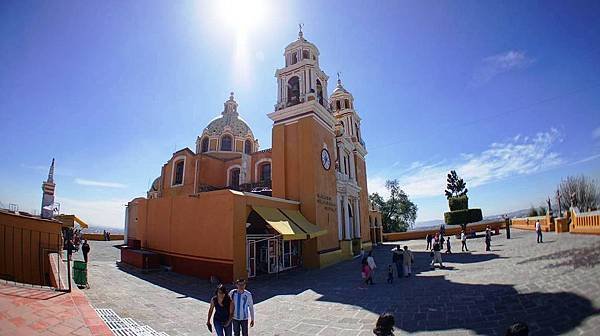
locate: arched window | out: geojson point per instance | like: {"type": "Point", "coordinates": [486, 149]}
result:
{"type": "Point", "coordinates": [234, 178]}
{"type": "Point", "coordinates": [204, 145]}
{"type": "Point", "coordinates": [357, 132]}
{"type": "Point", "coordinates": [305, 54]}
{"type": "Point", "coordinates": [226, 143]}
{"type": "Point", "coordinates": [346, 103]}
{"type": "Point", "coordinates": [248, 147]}
{"type": "Point", "coordinates": [178, 178]}
{"type": "Point", "coordinates": [338, 105]}
{"type": "Point", "coordinates": [320, 92]}
{"type": "Point", "coordinates": [265, 172]}
{"type": "Point", "coordinates": [293, 90]}
{"type": "Point", "coordinates": [294, 58]}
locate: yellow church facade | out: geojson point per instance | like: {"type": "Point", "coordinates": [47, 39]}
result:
{"type": "Point", "coordinates": [229, 209]}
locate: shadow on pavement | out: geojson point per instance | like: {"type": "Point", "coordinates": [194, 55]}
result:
{"type": "Point", "coordinates": [424, 302]}
{"type": "Point", "coordinates": [583, 257]}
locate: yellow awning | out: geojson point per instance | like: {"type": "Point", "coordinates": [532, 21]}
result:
{"type": "Point", "coordinates": [280, 223]}
{"type": "Point", "coordinates": [311, 229]}
{"type": "Point", "coordinates": [69, 220]}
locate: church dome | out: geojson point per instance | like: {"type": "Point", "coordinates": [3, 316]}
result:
{"type": "Point", "coordinates": [228, 122]}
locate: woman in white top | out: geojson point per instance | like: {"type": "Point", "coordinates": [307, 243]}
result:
{"type": "Point", "coordinates": [372, 265]}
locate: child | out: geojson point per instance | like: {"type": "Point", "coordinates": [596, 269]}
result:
{"type": "Point", "coordinates": [390, 278]}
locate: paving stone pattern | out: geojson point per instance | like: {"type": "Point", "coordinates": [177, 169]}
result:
{"type": "Point", "coordinates": [554, 287]}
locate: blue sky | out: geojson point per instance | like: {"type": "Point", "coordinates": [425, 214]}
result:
{"type": "Point", "coordinates": [507, 93]}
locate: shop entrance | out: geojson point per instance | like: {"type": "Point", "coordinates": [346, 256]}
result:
{"type": "Point", "coordinates": [266, 250]}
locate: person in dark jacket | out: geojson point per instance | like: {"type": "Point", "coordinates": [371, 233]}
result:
{"type": "Point", "coordinates": [85, 249]}
{"type": "Point", "coordinates": [385, 325]}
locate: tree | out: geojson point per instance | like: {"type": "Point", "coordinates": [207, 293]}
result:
{"type": "Point", "coordinates": [398, 213]}
{"type": "Point", "coordinates": [581, 190]}
{"type": "Point", "coordinates": [458, 202]}
{"type": "Point", "coordinates": [456, 186]}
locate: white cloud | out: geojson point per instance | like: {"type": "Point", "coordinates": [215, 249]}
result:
{"type": "Point", "coordinates": [517, 156]}
{"type": "Point", "coordinates": [586, 159]}
{"type": "Point", "coordinates": [494, 65]}
{"type": "Point", "coordinates": [596, 133]}
{"type": "Point", "coordinates": [101, 184]}
{"type": "Point", "coordinates": [95, 213]}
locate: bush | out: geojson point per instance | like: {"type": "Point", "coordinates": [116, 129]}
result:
{"type": "Point", "coordinates": [458, 203]}
{"type": "Point", "coordinates": [463, 216]}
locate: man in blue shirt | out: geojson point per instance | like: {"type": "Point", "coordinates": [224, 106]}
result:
{"type": "Point", "coordinates": [244, 308]}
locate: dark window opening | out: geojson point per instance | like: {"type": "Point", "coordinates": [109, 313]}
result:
{"type": "Point", "coordinates": [294, 58]}
{"type": "Point", "coordinates": [248, 147]}
{"type": "Point", "coordinates": [226, 143]}
{"type": "Point", "coordinates": [338, 105]}
{"type": "Point", "coordinates": [346, 103]}
{"type": "Point", "coordinates": [293, 90]}
{"type": "Point", "coordinates": [320, 92]}
{"type": "Point", "coordinates": [305, 54]}
{"type": "Point", "coordinates": [265, 172]}
{"type": "Point", "coordinates": [234, 178]}
{"type": "Point", "coordinates": [179, 165]}
{"type": "Point", "coordinates": [204, 146]}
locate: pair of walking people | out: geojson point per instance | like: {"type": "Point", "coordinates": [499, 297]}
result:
{"type": "Point", "coordinates": [403, 259]}
{"type": "Point", "coordinates": [231, 310]}
{"type": "Point", "coordinates": [368, 267]}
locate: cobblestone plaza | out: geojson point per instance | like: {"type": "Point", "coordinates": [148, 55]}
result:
{"type": "Point", "coordinates": [553, 286]}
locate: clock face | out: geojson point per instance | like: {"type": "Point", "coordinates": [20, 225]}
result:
{"type": "Point", "coordinates": [325, 159]}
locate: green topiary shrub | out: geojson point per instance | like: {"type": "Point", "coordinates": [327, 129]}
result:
{"type": "Point", "coordinates": [458, 203]}
{"type": "Point", "coordinates": [459, 217]}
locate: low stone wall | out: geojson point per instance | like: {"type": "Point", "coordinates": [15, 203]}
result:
{"type": "Point", "coordinates": [561, 225]}
{"type": "Point", "coordinates": [588, 223]}
{"type": "Point", "coordinates": [450, 230]}
{"type": "Point", "coordinates": [100, 236]}
{"type": "Point", "coordinates": [528, 223]}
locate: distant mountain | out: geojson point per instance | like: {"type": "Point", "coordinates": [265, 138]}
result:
{"type": "Point", "coordinates": [100, 229]}
{"type": "Point", "coordinates": [435, 223]}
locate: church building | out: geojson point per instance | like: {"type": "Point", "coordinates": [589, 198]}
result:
{"type": "Point", "coordinates": [229, 209]}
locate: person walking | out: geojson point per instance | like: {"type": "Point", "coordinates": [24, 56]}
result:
{"type": "Point", "coordinates": [407, 261]}
{"type": "Point", "coordinates": [85, 249]}
{"type": "Point", "coordinates": [372, 265]}
{"type": "Point", "coordinates": [448, 250]}
{"type": "Point", "coordinates": [428, 239]}
{"type": "Point", "coordinates": [488, 239]}
{"type": "Point", "coordinates": [385, 325]}
{"type": "Point", "coordinates": [437, 256]}
{"type": "Point", "coordinates": [243, 304]}
{"type": "Point", "coordinates": [463, 241]}
{"type": "Point", "coordinates": [366, 272]}
{"type": "Point", "coordinates": [397, 260]}
{"type": "Point", "coordinates": [538, 230]}
{"type": "Point", "coordinates": [442, 242]}
{"type": "Point", "coordinates": [222, 305]}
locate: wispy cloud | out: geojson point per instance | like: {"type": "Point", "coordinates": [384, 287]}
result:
{"type": "Point", "coordinates": [495, 65]}
{"type": "Point", "coordinates": [517, 156]}
{"type": "Point", "coordinates": [59, 171]}
{"type": "Point", "coordinates": [102, 184]}
{"type": "Point", "coordinates": [95, 212]}
{"type": "Point", "coordinates": [586, 159]}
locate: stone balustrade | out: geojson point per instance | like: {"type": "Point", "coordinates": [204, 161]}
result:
{"type": "Point", "coordinates": [528, 223]}
{"type": "Point", "coordinates": [586, 222]}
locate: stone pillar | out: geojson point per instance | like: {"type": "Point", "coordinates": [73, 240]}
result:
{"type": "Point", "coordinates": [347, 218]}
{"type": "Point", "coordinates": [340, 220]}
{"type": "Point", "coordinates": [356, 218]}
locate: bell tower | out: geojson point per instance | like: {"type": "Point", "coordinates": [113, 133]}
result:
{"type": "Point", "coordinates": [301, 79]}
{"type": "Point", "coordinates": [303, 143]}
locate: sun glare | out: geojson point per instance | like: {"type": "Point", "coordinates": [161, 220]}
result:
{"type": "Point", "coordinates": [242, 16]}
